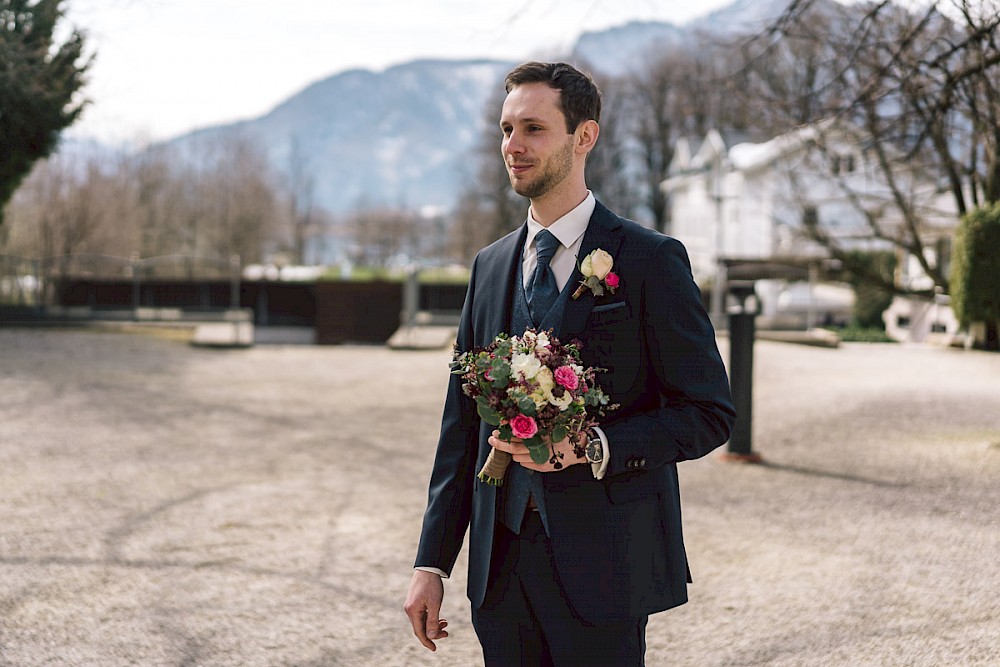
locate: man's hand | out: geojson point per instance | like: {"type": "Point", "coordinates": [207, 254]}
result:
{"type": "Point", "coordinates": [423, 605]}
{"type": "Point", "coordinates": [519, 451]}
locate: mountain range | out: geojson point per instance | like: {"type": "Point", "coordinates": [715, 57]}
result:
{"type": "Point", "coordinates": [405, 136]}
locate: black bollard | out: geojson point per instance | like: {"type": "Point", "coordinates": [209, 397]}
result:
{"type": "Point", "coordinates": [742, 330]}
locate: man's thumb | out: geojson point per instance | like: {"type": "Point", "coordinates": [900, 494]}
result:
{"type": "Point", "coordinates": [433, 623]}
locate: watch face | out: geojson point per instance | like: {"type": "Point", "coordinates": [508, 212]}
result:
{"type": "Point", "coordinates": [595, 453]}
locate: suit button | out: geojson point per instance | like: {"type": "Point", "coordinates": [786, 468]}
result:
{"type": "Point", "coordinates": [642, 463]}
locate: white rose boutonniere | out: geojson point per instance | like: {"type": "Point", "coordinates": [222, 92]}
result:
{"type": "Point", "coordinates": [597, 274]}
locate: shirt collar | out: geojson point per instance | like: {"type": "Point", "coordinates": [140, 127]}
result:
{"type": "Point", "coordinates": [568, 228]}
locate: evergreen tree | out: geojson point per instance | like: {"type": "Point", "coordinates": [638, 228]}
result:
{"type": "Point", "coordinates": [40, 81]}
{"type": "Point", "coordinates": [975, 272]}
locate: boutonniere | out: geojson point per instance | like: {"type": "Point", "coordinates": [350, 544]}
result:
{"type": "Point", "coordinates": [597, 275]}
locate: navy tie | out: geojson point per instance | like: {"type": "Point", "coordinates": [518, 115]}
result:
{"type": "Point", "coordinates": [542, 290]}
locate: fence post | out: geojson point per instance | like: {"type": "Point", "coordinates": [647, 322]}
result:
{"type": "Point", "coordinates": [234, 289]}
{"type": "Point", "coordinates": [36, 269]}
{"type": "Point", "coordinates": [742, 330]}
{"type": "Point", "coordinates": [411, 297]}
{"type": "Point", "coordinates": [134, 263]}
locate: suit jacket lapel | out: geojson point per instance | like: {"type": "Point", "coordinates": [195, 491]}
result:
{"type": "Point", "coordinates": [604, 232]}
{"type": "Point", "coordinates": [501, 271]}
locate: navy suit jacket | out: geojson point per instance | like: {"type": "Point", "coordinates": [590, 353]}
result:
{"type": "Point", "coordinates": [617, 542]}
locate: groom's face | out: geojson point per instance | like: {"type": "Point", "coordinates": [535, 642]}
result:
{"type": "Point", "coordinates": [536, 147]}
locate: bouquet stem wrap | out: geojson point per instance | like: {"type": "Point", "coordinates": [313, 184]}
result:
{"type": "Point", "coordinates": [495, 467]}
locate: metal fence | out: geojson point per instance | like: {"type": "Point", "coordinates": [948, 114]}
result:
{"type": "Point", "coordinates": [37, 282]}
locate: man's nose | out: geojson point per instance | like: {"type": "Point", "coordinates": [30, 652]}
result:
{"type": "Point", "coordinates": [512, 144]}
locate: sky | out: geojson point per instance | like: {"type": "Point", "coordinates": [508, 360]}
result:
{"type": "Point", "coordinates": [165, 67]}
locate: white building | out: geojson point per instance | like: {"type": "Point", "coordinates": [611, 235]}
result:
{"type": "Point", "coordinates": [750, 205]}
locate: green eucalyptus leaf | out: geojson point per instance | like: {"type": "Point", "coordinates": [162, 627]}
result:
{"type": "Point", "coordinates": [488, 414]}
{"type": "Point", "coordinates": [500, 372]}
{"type": "Point", "coordinates": [539, 452]}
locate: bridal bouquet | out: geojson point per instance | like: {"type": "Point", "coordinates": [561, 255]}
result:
{"type": "Point", "coordinates": [532, 387]}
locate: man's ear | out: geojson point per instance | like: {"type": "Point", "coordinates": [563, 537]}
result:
{"type": "Point", "coordinates": [586, 136]}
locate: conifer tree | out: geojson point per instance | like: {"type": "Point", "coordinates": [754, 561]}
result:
{"type": "Point", "coordinates": [40, 84]}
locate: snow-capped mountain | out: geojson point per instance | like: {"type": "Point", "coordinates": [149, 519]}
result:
{"type": "Point", "coordinates": [742, 17]}
{"type": "Point", "coordinates": [618, 51]}
{"type": "Point", "coordinates": [405, 136]}
{"type": "Point", "coordinates": [623, 49]}
{"type": "Point", "coordinates": [399, 137]}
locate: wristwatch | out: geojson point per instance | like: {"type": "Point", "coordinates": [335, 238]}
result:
{"type": "Point", "coordinates": [595, 448]}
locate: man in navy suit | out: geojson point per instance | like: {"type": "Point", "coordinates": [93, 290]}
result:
{"type": "Point", "coordinates": [565, 565]}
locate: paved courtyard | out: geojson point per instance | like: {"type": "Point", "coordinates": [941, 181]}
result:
{"type": "Point", "coordinates": [162, 504]}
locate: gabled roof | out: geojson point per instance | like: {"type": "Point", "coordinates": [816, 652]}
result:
{"type": "Point", "coordinates": [736, 151]}
{"type": "Point", "coordinates": [749, 156]}
{"type": "Point", "coordinates": [712, 150]}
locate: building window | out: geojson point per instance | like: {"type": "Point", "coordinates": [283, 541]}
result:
{"type": "Point", "coordinates": [943, 251]}
{"type": "Point", "coordinates": [842, 163]}
{"type": "Point", "coordinates": [810, 216]}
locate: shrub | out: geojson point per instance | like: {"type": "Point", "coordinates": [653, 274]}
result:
{"type": "Point", "coordinates": [868, 273]}
{"type": "Point", "coordinates": [855, 334]}
{"type": "Point", "coordinates": [975, 271]}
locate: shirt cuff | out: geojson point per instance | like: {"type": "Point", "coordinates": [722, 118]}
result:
{"type": "Point", "coordinates": [602, 467]}
{"type": "Point", "coordinates": [433, 570]}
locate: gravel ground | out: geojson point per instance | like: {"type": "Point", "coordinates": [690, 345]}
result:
{"type": "Point", "coordinates": [169, 505]}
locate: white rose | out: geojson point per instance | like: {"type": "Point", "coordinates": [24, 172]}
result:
{"type": "Point", "coordinates": [525, 365]}
{"type": "Point", "coordinates": [546, 383]}
{"type": "Point", "coordinates": [542, 340]}
{"type": "Point", "coordinates": [600, 264]}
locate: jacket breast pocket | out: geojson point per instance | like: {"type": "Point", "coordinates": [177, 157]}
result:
{"type": "Point", "coordinates": [606, 314]}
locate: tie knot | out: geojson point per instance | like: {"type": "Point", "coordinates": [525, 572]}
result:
{"type": "Point", "coordinates": [545, 244]}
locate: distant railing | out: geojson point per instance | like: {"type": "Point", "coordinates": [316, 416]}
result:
{"type": "Point", "coordinates": [36, 282]}
{"type": "Point", "coordinates": [83, 287]}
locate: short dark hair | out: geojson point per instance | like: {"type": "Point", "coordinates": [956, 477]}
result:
{"type": "Point", "coordinates": [579, 96]}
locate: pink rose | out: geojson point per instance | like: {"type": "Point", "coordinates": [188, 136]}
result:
{"type": "Point", "coordinates": [612, 280]}
{"type": "Point", "coordinates": [566, 377]}
{"type": "Point", "coordinates": [523, 427]}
